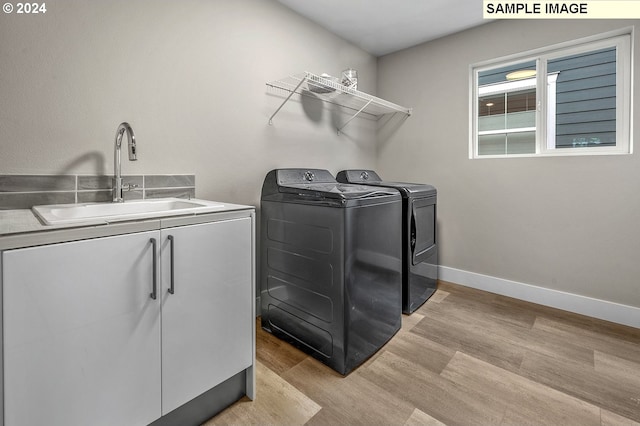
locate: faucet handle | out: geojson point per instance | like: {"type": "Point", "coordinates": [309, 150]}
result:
{"type": "Point", "coordinates": [129, 186]}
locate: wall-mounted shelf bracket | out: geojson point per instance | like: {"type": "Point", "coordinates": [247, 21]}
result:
{"type": "Point", "coordinates": [295, 90]}
{"type": "Point", "coordinates": [354, 116]}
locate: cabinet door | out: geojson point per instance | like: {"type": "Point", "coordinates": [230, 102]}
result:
{"type": "Point", "coordinates": [206, 322]}
{"type": "Point", "coordinates": [81, 333]}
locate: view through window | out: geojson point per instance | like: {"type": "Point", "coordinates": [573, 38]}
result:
{"type": "Point", "coordinates": [569, 100]}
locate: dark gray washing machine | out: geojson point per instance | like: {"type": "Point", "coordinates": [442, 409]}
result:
{"type": "Point", "coordinates": [419, 250]}
{"type": "Point", "coordinates": [330, 269]}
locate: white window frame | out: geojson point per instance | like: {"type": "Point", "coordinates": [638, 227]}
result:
{"type": "Point", "coordinates": [622, 40]}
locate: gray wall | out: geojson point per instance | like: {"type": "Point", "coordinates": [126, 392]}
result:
{"type": "Point", "coordinates": [569, 224]}
{"type": "Point", "coordinates": [189, 76]}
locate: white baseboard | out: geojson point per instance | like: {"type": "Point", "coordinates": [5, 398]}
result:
{"type": "Point", "coordinates": [609, 311]}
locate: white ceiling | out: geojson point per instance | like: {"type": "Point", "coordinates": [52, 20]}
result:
{"type": "Point", "coordinates": [385, 26]}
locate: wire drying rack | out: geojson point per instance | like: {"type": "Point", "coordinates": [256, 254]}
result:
{"type": "Point", "coordinates": [332, 92]}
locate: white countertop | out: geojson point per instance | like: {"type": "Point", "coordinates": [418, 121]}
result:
{"type": "Point", "coordinates": [17, 221]}
{"type": "Point", "coordinates": [21, 228]}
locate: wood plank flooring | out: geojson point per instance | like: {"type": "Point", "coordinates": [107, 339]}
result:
{"type": "Point", "coordinates": [466, 357]}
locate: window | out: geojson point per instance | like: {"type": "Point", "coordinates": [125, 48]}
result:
{"type": "Point", "coordinates": [571, 99]}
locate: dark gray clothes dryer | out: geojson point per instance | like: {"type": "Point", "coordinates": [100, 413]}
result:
{"type": "Point", "coordinates": [330, 265]}
{"type": "Point", "coordinates": [419, 250]}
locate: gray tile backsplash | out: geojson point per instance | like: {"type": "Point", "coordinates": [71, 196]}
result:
{"type": "Point", "coordinates": [106, 182]}
{"type": "Point", "coordinates": [95, 182]}
{"type": "Point", "coordinates": [169, 181]}
{"type": "Point", "coordinates": [22, 200]}
{"type": "Point", "coordinates": [26, 191]}
{"type": "Point", "coordinates": [170, 192]}
{"type": "Point", "coordinates": [39, 183]}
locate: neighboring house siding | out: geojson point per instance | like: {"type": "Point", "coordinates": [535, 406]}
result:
{"type": "Point", "coordinates": [585, 98]}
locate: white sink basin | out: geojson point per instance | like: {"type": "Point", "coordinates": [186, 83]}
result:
{"type": "Point", "coordinates": [95, 213]}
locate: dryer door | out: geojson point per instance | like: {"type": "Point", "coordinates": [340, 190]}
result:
{"type": "Point", "coordinates": [423, 228]}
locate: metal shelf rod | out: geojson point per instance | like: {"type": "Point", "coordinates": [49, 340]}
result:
{"type": "Point", "coordinates": [354, 116]}
{"type": "Point", "coordinates": [287, 99]}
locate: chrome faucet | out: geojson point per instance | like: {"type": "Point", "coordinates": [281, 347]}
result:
{"type": "Point", "coordinates": [117, 177]}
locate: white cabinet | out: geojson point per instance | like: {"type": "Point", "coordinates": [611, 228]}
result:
{"type": "Point", "coordinates": [85, 343]}
{"type": "Point", "coordinates": [206, 328]}
{"type": "Point", "coordinates": [81, 334]}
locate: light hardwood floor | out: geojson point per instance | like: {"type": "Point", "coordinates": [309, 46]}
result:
{"type": "Point", "coordinates": [466, 357]}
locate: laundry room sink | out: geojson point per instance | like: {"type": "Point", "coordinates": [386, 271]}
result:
{"type": "Point", "coordinates": [96, 213]}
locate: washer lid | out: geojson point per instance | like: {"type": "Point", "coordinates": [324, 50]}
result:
{"type": "Point", "coordinates": [336, 190]}
{"type": "Point", "coordinates": [317, 184]}
{"type": "Point", "coordinates": [369, 177]}
{"type": "Point", "coordinates": [421, 189]}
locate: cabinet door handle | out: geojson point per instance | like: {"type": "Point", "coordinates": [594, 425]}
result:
{"type": "Point", "coordinates": [172, 243]}
{"type": "Point", "coordinates": [154, 292]}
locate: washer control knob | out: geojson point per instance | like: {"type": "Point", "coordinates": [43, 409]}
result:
{"type": "Point", "coordinates": [364, 175]}
{"type": "Point", "coordinates": [309, 176]}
